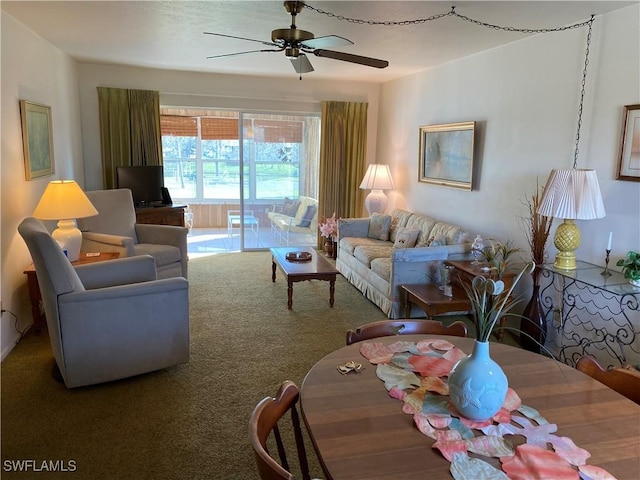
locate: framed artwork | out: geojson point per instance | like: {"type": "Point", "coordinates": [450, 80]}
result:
{"type": "Point", "coordinates": [629, 161]}
{"type": "Point", "coordinates": [37, 139]}
{"type": "Point", "coordinates": [446, 155]}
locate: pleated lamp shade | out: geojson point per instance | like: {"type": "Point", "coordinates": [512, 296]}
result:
{"type": "Point", "coordinates": [570, 194]}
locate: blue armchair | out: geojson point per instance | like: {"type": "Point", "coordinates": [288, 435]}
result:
{"type": "Point", "coordinates": [108, 320]}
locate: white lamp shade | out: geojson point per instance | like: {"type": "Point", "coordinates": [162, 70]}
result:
{"type": "Point", "coordinates": [64, 199]}
{"type": "Point", "coordinates": [572, 194]}
{"type": "Point", "coordinates": [378, 177]}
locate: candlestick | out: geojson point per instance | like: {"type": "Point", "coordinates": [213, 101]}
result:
{"type": "Point", "coordinates": [606, 272]}
{"type": "Point", "coordinates": [610, 238]}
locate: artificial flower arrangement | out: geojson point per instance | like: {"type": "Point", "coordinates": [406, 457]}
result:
{"type": "Point", "coordinates": [489, 298]}
{"type": "Point", "coordinates": [329, 227]}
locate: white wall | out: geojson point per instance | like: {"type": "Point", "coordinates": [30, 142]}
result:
{"type": "Point", "coordinates": [525, 98]}
{"type": "Point", "coordinates": [38, 72]}
{"type": "Point", "coordinates": [218, 91]}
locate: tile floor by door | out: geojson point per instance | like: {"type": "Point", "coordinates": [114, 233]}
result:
{"type": "Point", "coordinates": [212, 241]}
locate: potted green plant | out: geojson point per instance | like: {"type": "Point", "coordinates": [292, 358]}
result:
{"type": "Point", "coordinates": [631, 267]}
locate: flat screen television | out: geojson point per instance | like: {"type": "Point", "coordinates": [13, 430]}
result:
{"type": "Point", "coordinates": [145, 183]}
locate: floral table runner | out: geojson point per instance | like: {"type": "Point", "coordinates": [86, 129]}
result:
{"type": "Point", "coordinates": [415, 373]}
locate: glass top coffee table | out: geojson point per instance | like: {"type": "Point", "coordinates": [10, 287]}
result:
{"type": "Point", "coordinates": [298, 269]}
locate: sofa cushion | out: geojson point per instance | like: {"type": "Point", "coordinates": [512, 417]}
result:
{"type": "Point", "coordinates": [379, 226]}
{"type": "Point", "coordinates": [399, 219]}
{"type": "Point", "coordinates": [452, 233]}
{"type": "Point", "coordinates": [365, 254]}
{"type": "Point", "coordinates": [349, 244]}
{"type": "Point", "coordinates": [406, 238]}
{"type": "Point", "coordinates": [290, 207]}
{"type": "Point", "coordinates": [305, 221]}
{"type": "Point", "coordinates": [382, 267]}
{"type": "Point", "coordinates": [425, 225]}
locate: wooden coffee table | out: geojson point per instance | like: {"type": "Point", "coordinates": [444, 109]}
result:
{"type": "Point", "coordinates": [433, 301]}
{"type": "Point", "coordinates": [317, 268]}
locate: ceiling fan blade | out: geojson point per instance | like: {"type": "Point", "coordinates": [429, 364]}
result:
{"type": "Point", "coordinates": [270, 44]}
{"type": "Point", "coordinates": [348, 57]}
{"type": "Point", "coordinates": [326, 42]}
{"type": "Point", "coordinates": [242, 53]}
{"type": "Point", "coordinates": [301, 64]}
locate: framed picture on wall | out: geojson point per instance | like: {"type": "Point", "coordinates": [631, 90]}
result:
{"type": "Point", "coordinates": [37, 139]}
{"type": "Point", "coordinates": [629, 160]}
{"type": "Point", "coordinates": [446, 155]}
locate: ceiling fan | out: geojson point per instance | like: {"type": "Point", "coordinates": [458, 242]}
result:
{"type": "Point", "coordinates": [296, 43]}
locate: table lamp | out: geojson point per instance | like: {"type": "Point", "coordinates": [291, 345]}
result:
{"type": "Point", "coordinates": [64, 200]}
{"type": "Point", "coordinates": [570, 194]}
{"type": "Point", "coordinates": [377, 179]}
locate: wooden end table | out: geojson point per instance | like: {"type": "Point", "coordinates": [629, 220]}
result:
{"type": "Point", "coordinates": [316, 269]}
{"type": "Point", "coordinates": [433, 301]}
{"type": "Point", "coordinates": [35, 296]}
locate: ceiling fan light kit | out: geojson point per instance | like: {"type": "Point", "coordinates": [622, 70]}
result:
{"type": "Point", "coordinates": [295, 43]}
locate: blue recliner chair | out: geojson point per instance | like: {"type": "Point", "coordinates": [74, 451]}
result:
{"type": "Point", "coordinates": [108, 320]}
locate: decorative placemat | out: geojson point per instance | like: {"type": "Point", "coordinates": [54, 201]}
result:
{"type": "Point", "coordinates": [298, 256]}
{"type": "Point", "coordinates": [416, 374]}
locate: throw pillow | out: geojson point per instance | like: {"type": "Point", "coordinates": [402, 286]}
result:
{"type": "Point", "coordinates": [290, 207]}
{"type": "Point", "coordinates": [305, 221]}
{"type": "Point", "coordinates": [406, 238]}
{"type": "Point", "coordinates": [437, 241]}
{"type": "Point", "coordinates": [379, 226]}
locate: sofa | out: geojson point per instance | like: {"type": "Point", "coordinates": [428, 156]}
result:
{"type": "Point", "coordinates": [380, 253]}
{"type": "Point", "coordinates": [294, 216]}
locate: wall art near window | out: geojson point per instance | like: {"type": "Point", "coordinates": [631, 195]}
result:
{"type": "Point", "coordinates": [629, 161]}
{"type": "Point", "coordinates": [37, 139]}
{"type": "Point", "coordinates": [446, 155]}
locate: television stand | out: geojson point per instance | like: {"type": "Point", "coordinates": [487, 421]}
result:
{"type": "Point", "coordinates": [161, 215]}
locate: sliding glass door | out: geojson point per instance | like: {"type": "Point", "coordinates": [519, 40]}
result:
{"type": "Point", "coordinates": [235, 179]}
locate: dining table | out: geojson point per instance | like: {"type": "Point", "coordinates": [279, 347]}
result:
{"type": "Point", "coordinates": [360, 432]}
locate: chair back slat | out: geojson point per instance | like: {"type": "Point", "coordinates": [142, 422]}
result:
{"type": "Point", "coordinates": [622, 380]}
{"type": "Point", "coordinates": [385, 328]}
{"type": "Point", "coordinates": [264, 422]}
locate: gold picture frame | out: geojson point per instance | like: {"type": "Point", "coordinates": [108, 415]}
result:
{"type": "Point", "coordinates": [37, 139]}
{"type": "Point", "coordinates": [629, 159]}
{"type": "Point", "coordinates": [446, 155]}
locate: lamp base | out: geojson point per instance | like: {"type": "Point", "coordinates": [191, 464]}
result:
{"type": "Point", "coordinates": [566, 240]}
{"type": "Point", "coordinates": [375, 202]}
{"type": "Point", "coordinates": [69, 237]}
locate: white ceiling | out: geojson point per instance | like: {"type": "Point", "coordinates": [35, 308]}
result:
{"type": "Point", "coordinates": [169, 34]}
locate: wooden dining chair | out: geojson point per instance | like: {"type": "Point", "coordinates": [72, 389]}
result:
{"type": "Point", "coordinates": [622, 380]}
{"type": "Point", "coordinates": [405, 326]}
{"type": "Point", "coordinates": [264, 420]}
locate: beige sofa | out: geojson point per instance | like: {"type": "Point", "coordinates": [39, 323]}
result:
{"type": "Point", "coordinates": [377, 264]}
{"type": "Point", "coordinates": [294, 216]}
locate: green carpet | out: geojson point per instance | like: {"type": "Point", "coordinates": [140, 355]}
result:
{"type": "Point", "coordinates": [190, 421]}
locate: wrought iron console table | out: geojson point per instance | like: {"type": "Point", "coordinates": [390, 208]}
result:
{"type": "Point", "coordinates": [589, 313]}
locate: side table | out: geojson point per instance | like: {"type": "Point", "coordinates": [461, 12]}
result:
{"type": "Point", "coordinates": [35, 297]}
{"type": "Point", "coordinates": [432, 301]}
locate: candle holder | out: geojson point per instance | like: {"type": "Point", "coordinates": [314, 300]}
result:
{"type": "Point", "coordinates": [606, 272]}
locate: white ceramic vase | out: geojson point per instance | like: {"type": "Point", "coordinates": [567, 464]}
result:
{"type": "Point", "coordinates": [477, 384]}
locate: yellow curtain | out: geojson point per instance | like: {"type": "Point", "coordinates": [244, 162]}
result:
{"type": "Point", "coordinates": [129, 130]}
{"type": "Point", "coordinates": [146, 140]}
{"type": "Point", "coordinates": [342, 158]}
